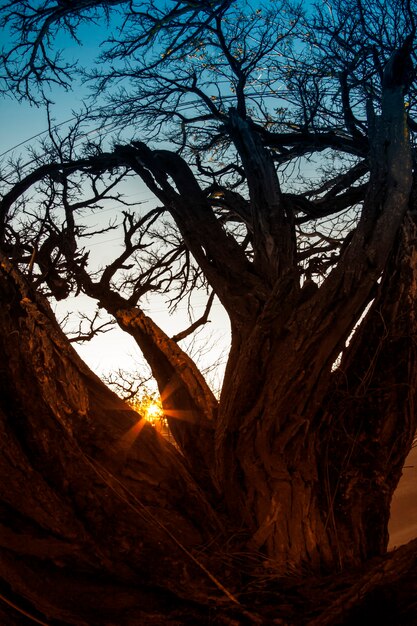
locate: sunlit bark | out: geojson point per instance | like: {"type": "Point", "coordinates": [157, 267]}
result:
{"type": "Point", "coordinates": [92, 498]}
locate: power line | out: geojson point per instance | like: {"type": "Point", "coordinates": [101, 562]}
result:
{"type": "Point", "coordinates": [182, 107]}
{"type": "Point", "coordinates": [81, 137]}
{"type": "Point", "coordinates": [22, 143]}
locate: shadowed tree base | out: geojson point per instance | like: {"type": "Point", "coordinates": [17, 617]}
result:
{"type": "Point", "coordinates": [100, 528]}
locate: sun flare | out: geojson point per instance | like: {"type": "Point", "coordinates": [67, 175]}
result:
{"type": "Point", "coordinates": [153, 412]}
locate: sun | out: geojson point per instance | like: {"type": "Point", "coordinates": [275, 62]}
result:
{"type": "Point", "coordinates": [153, 412]}
{"type": "Point", "coordinates": [149, 406]}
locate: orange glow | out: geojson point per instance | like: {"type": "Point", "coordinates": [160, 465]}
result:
{"type": "Point", "coordinates": [150, 407]}
{"type": "Point", "coordinates": [153, 412]}
{"type": "Point", "coordinates": [169, 389]}
{"type": "Point", "coordinates": [129, 438]}
{"type": "Point", "coordinates": [185, 416]}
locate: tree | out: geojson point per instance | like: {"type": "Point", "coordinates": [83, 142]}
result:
{"type": "Point", "coordinates": [301, 453]}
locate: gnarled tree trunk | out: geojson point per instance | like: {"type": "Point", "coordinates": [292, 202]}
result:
{"type": "Point", "coordinates": [100, 518]}
{"type": "Point", "coordinates": [309, 453]}
{"type": "Point", "coordinates": [101, 522]}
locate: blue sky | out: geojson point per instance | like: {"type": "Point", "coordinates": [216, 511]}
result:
{"type": "Point", "coordinates": [21, 121]}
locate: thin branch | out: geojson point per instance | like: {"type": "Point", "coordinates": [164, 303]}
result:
{"type": "Point", "coordinates": [200, 322]}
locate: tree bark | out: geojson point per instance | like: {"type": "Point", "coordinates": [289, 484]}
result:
{"type": "Point", "coordinates": [98, 527]}
{"type": "Point", "coordinates": [383, 593]}
{"type": "Point", "coordinates": [372, 408]}
{"type": "Point", "coordinates": [100, 517]}
{"type": "Point", "coordinates": [280, 382]}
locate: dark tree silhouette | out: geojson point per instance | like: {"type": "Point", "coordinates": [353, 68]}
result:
{"type": "Point", "coordinates": [284, 177]}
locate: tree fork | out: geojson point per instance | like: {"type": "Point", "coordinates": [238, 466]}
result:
{"type": "Point", "coordinates": [274, 475]}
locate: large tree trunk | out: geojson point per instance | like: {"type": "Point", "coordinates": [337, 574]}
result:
{"type": "Point", "coordinates": [374, 401]}
{"type": "Point", "coordinates": [309, 455]}
{"type": "Point", "coordinates": [101, 522]}
{"type": "Point", "coordinates": [279, 446]}
{"type": "Point", "coordinates": [317, 450]}
{"type": "Point", "coordinates": [100, 519]}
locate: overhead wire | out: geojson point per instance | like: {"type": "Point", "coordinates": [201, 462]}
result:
{"type": "Point", "coordinates": [43, 132]}
{"type": "Point", "coordinates": [182, 107]}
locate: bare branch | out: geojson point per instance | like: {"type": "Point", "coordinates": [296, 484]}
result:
{"type": "Point", "coordinates": [200, 322]}
{"type": "Point", "coordinates": [94, 327]}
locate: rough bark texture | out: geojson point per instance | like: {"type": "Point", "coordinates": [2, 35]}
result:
{"type": "Point", "coordinates": [280, 386]}
{"type": "Point", "coordinates": [374, 399]}
{"type": "Point", "coordinates": [101, 523]}
{"type": "Point", "coordinates": [99, 515]}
